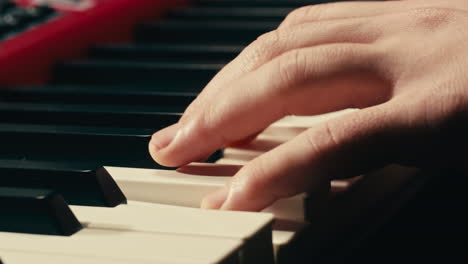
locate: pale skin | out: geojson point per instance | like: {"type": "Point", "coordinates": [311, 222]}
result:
{"type": "Point", "coordinates": [404, 64]}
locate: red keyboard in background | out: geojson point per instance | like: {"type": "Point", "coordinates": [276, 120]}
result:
{"type": "Point", "coordinates": [33, 37]}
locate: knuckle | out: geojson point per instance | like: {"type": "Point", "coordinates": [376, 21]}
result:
{"type": "Point", "coordinates": [290, 67]}
{"type": "Point", "coordinates": [321, 139]}
{"type": "Point", "coordinates": [260, 49]}
{"type": "Point", "coordinates": [267, 39]}
{"type": "Point", "coordinates": [261, 178]}
{"type": "Point", "coordinates": [256, 176]}
{"type": "Point", "coordinates": [305, 13]}
{"type": "Point", "coordinates": [296, 16]}
{"type": "Point", "coordinates": [338, 57]}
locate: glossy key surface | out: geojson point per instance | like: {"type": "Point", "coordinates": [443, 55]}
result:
{"type": "Point", "coordinates": [79, 184]}
{"type": "Point", "coordinates": [135, 116]}
{"type": "Point", "coordinates": [88, 94]}
{"type": "Point", "coordinates": [274, 15]}
{"type": "Point", "coordinates": [36, 211]}
{"type": "Point", "coordinates": [207, 32]}
{"type": "Point", "coordinates": [159, 76]}
{"type": "Point", "coordinates": [219, 54]}
{"type": "Point", "coordinates": [95, 145]}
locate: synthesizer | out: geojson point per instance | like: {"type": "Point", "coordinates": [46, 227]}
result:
{"type": "Point", "coordinates": [83, 86]}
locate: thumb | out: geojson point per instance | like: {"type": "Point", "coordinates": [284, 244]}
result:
{"type": "Point", "coordinates": [342, 147]}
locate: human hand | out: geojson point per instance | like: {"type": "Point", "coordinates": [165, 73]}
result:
{"type": "Point", "coordinates": [403, 63]}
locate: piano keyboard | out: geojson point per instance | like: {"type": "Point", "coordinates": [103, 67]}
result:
{"type": "Point", "coordinates": [77, 183]}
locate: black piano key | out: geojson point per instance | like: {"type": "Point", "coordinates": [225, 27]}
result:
{"type": "Point", "coordinates": [94, 146]}
{"type": "Point", "coordinates": [36, 211]}
{"type": "Point", "coordinates": [97, 146]}
{"type": "Point", "coordinates": [86, 94]}
{"type": "Point", "coordinates": [135, 116]}
{"type": "Point", "coordinates": [209, 32]}
{"type": "Point", "coordinates": [159, 76]}
{"type": "Point", "coordinates": [274, 15]}
{"type": "Point", "coordinates": [220, 54]}
{"type": "Point", "coordinates": [79, 184]}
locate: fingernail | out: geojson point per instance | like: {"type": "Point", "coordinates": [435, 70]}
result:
{"type": "Point", "coordinates": [164, 137]}
{"type": "Point", "coordinates": [215, 199]}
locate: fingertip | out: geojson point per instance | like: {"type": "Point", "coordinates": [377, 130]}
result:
{"type": "Point", "coordinates": [242, 200]}
{"type": "Point", "coordinates": [214, 200]}
{"type": "Point", "coordinates": [164, 137]}
{"type": "Point", "coordinates": [179, 144]}
{"type": "Point", "coordinates": [160, 141]}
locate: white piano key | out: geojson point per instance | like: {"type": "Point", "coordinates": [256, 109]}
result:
{"type": "Point", "coordinates": [284, 234]}
{"type": "Point", "coordinates": [254, 229]}
{"type": "Point", "coordinates": [151, 217]}
{"type": "Point", "coordinates": [281, 238]}
{"type": "Point", "coordinates": [25, 257]}
{"type": "Point", "coordinates": [128, 246]}
{"type": "Point", "coordinates": [177, 188]}
{"type": "Point", "coordinates": [241, 154]}
{"type": "Point", "coordinates": [226, 161]}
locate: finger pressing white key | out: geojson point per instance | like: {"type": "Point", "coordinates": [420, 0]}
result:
{"type": "Point", "coordinates": [189, 186]}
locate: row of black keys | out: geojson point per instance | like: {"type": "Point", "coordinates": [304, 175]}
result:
{"type": "Point", "coordinates": [15, 19]}
{"type": "Point", "coordinates": [102, 111]}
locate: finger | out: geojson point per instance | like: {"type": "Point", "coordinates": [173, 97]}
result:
{"type": "Point", "coordinates": [333, 76]}
{"type": "Point", "coordinates": [342, 147]}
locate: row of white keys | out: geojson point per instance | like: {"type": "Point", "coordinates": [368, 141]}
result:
{"type": "Point", "coordinates": [27, 257]}
{"type": "Point", "coordinates": [187, 190]}
{"type": "Point", "coordinates": [183, 189]}
{"type": "Point", "coordinates": [128, 218]}
{"type": "Point", "coordinates": [253, 229]}
{"type": "Point", "coordinates": [125, 245]}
